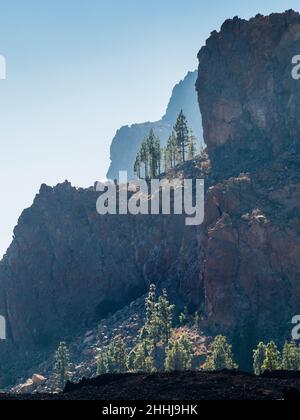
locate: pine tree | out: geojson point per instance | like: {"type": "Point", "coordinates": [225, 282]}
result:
{"type": "Point", "coordinates": [102, 364]}
{"type": "Point", "coordinates": [172, 151]}
{"type": "Point", "coordinates": [159, 317]}
{"type": "Point", "coordinates": [114, 359]}
{"type": "Point", "coordinates": [144, 157]}
{"type": "Point", "coordinates": [149, 329]}
{"type": "Point", "coordinates": [152, 154]}
{"type": "Point", "coordinates": [291, 357]}
{"type": "Point", "coordinates": [137, 166]}
{"type": "Point", "coordinates": [184, 316]}
{"type": "Point", "coordinates": [119, 356]}
{"type": "Point", "coordinates": [62, 365]}
{"type": "Point", "coordinates": [259, 356]}
{"type": "Point", "coordinates": [150, 303]}
{"type": "Point", "coordinates": [179, 354]}
{"type": "Point", "coordinates": [141, 358]}
{"type": "Point", "coordinates": [221, 357]}
{"type": "Point", "coordinates": [192, 145]}
{"type": "Point", "coordinates": [164, 159]}
{"type": "Point", "coordinates": [272, 359]}
{"type": "Point", "coordinates": [164, 317]}
{"type": "Point", "coordinates": [182, 134]}
{"type": "Point", "coordinates": [149, 155]}
{"type": "Point", "coordinates": [158, 155]}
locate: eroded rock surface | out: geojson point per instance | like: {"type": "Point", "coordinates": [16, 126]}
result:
{"type": "Point", "coordinates": [68, 267]}
{"type": "Point", "coordinates": [250, 105]}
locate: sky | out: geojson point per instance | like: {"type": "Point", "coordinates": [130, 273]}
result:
{"type": "Point", "coordinates": [77, 70]}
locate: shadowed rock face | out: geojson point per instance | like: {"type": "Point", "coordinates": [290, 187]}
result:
{"type": "Point", "coordinates": [250, 105]}
{"type": "Point", "coordinates": [68, 267]}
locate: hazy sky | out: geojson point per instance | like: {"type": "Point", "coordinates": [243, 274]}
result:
{"type": "Point", "coordinates": [79, 69]}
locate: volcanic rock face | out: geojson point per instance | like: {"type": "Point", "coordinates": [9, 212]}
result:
{"type": "Point", "coordinates": [127, 141]}
{"type": "Point", "coordinates": [250, 105]}
{"type": "Point", "coordinates": [68, 267]}
{"type": "Point", "coordinates": [249, 101]}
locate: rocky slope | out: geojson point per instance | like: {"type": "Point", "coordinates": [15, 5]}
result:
{"type": "Point", "coordinates": [128, 139]}
{"type": "Point", "coordinates": [67, 267]}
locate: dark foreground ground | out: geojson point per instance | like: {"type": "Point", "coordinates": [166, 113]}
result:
{"type": "Point", "coordinates": [190, 386]}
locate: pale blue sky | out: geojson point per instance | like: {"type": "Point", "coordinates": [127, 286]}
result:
{"type": "Point", "coordinates": [79, 69]}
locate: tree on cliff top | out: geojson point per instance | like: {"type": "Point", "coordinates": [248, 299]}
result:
{"type": "Point", "coordinates": [182, 134]}
{"type": "Point", "coordinates": [192, 145]}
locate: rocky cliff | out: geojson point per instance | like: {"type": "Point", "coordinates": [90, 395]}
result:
{"type": "Point", "coordinates": [128, 139]}
{"type": "Point", "coordinates": [248, 98]}
{"type": "Point", "coordinates": [250, 103]}
{"type": "Point", "coordinates": [67, 267]}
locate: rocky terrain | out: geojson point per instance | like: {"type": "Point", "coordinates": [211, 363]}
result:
{"type": "Point", "coordinates": [128, 139]}
{"type": "Point", "coordinates": [186, 386]}
{"type": "Point", "coordinates": [68, 269]}
{"type": "Point", "coordinates": [249, 103]}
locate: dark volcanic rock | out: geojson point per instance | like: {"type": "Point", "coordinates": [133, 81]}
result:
{"type": "Point", "coordinates": [68, 267]}
{"type": "Point", "coordinates": [250, 105]}
{"type": "Point", "coordinates": [187, 386]}
{"type": "Point", "coordinates": [128, 139]}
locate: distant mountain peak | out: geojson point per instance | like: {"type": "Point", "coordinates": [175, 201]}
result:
{"type": "Point", "coordinates": [128, 139]}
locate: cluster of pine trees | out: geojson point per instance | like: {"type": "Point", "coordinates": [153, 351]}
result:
{"type": "Point", "coordinates": [267, 357]}
{"type": "Point", "coordinates": [158, 332]}
{"type": "Point", "coordinates": [159, 336]}
{"type": "Point", "coordinates": [152, 159]}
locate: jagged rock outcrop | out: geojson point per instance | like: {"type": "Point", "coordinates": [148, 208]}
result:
{"type": "Point", "coordinates": [250, 105]}
{"type": "Point", "coordinates": [68, 267]}
{"type": "Point", "coordinates": [248, 98]}
{"type": "Point", "coordinates": [128, 139]}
